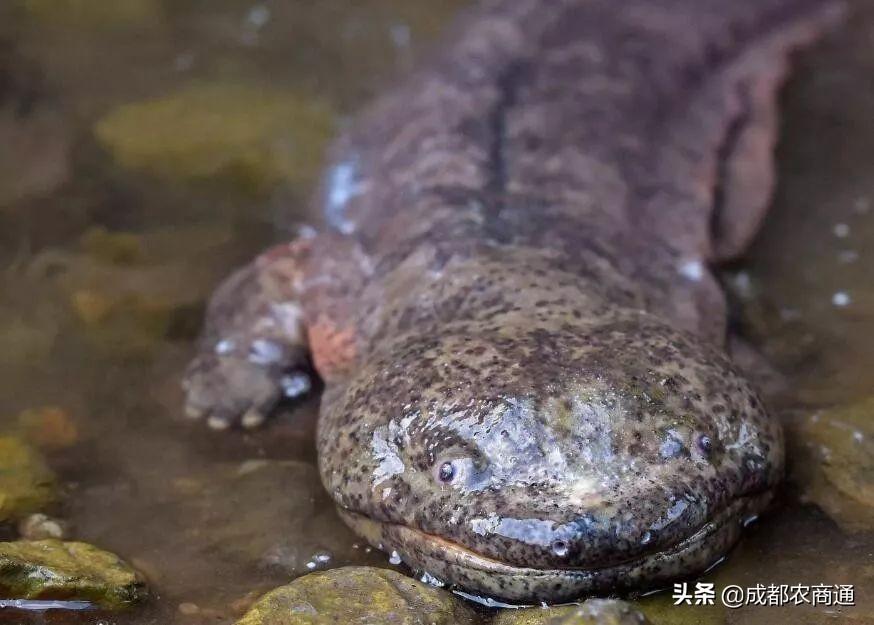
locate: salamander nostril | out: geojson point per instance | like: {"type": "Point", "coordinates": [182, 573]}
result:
{"type": "Point", "coordinates": [560, 548]}
{"type": "Point", "coordinates": [446, 472]}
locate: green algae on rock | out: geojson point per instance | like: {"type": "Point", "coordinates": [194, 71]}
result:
{"type": "Point", "coordinates": [834, 465]}
{"type": "Point", "coordinates": [592, 612]}
{"type": "Point", "coordinates": [257, 137]}
{"type": "Point", "coordinates": [357, 595]}
{"type": "Point", "coordinates": [26, 483]}
{"type": "Point", "coordinates": [68, 570]}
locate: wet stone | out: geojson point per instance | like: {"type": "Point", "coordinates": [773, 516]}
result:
{"type": "Point", "coordinates": [48, 427]}
{"type": "Point", "coordinates": [660, 609]}
{"type": "Point", "coordinates": [128, 290]}
{"type": "Point", "coordinates": [591, 612]}
{"type": "Point", "coordinates": [358, 595]}
{"type": "Point", "coordinates": [284, 515]}
{"type": "Point", "coordinates": [132, 316]}
{"type": "Point", "coordinates": [187, 608]}
{"type": "Point", "coordinates": [263, 520]}
{"type": "Point", "coordinates": [26, 483]}
{"type": "Point", "coordinates": [53, 569]}
{"type": "Point", "coordinates": [252, 136]}
{"type": "Point", "coordinates": [39, 526]}
{"type": "Point", "coordinates": [834, 465]}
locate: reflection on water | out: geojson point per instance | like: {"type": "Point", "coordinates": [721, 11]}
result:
{"type": "Point", "coordinates": [149, 146]}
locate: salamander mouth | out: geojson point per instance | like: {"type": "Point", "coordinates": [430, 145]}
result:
{"type": "Point", "coordinates": [465, 569]}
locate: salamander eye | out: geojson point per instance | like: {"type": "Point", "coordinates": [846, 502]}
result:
{"type": "Point", "coordinates": [459, 472]}
{"type": "Point", "coordinates": [456, 471]}
{"type": "Point", "coordinates": [705, 444]}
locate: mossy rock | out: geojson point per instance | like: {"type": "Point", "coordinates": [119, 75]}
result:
{"type": "Point", "coordinates": [255, 137]}
{"type": "Point", "coordinates": [661, 610]}
{"type": "Point", "coordinates": [592, 612]}
{"type": "Point", "coordinates": [26, 483]}
{"type": "Point", "coordinates": [834, 464]}
{"type": "Point", "coordinates": [358, 595]}
{"type": "Point", "coordinates": [54, 569]}
{"type": "Point", "coordinates": [115, 248]}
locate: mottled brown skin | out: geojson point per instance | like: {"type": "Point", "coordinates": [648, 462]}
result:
{"type": "Point", "coordinates": [527, 393]}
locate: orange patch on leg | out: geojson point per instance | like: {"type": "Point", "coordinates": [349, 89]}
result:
{"type": "Point", "coordinates": [333, 347]}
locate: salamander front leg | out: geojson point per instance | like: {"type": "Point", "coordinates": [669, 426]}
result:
{"type": "Point", "coordinates": [253, 352]}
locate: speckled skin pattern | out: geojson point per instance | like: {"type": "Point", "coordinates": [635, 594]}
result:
{"type": "Point", "coordinates": [511, 302]}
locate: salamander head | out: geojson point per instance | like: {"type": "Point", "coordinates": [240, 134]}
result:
{"type": "Point", "coordinates": [542, 465]}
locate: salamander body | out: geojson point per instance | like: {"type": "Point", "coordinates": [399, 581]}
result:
{"type": "Point", "coordinates": [527, 390]}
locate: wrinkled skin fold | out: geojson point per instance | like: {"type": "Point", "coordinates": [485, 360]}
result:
{"type": "Point", "coordinates": [493, 578]}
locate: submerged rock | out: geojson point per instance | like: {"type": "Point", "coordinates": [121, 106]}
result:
{"type": "Point", "coordinates": [48, 427]}
{"type": "Point", "coordinates": [26, 483]}
{"type": "Point", "coordinates": [834, 466]}
{"type": "Point", "coordinates": [254, 136]}
{"type": "Point", "coordinates": [130, 291]}
{"type": "Point", "coordinates": [592, 612]}
{"type": "Point", "coordinates": [130, 318]}
{"type": "Point", "coordinates": [358, 595]}
{"type": "Point", "coordinates": [660, 609]}
{"type": "Point", "coordinates": [114, 248]}
{"type": "Point", "coordinates": [39, 526]}
{"type": "Point", "coordinates": [214, 502]}
{"type": "Point", "coordinates": [53, 569]}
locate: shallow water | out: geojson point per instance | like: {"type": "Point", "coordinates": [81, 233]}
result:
{"type": "Point", "coordinates": [101, 325]}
